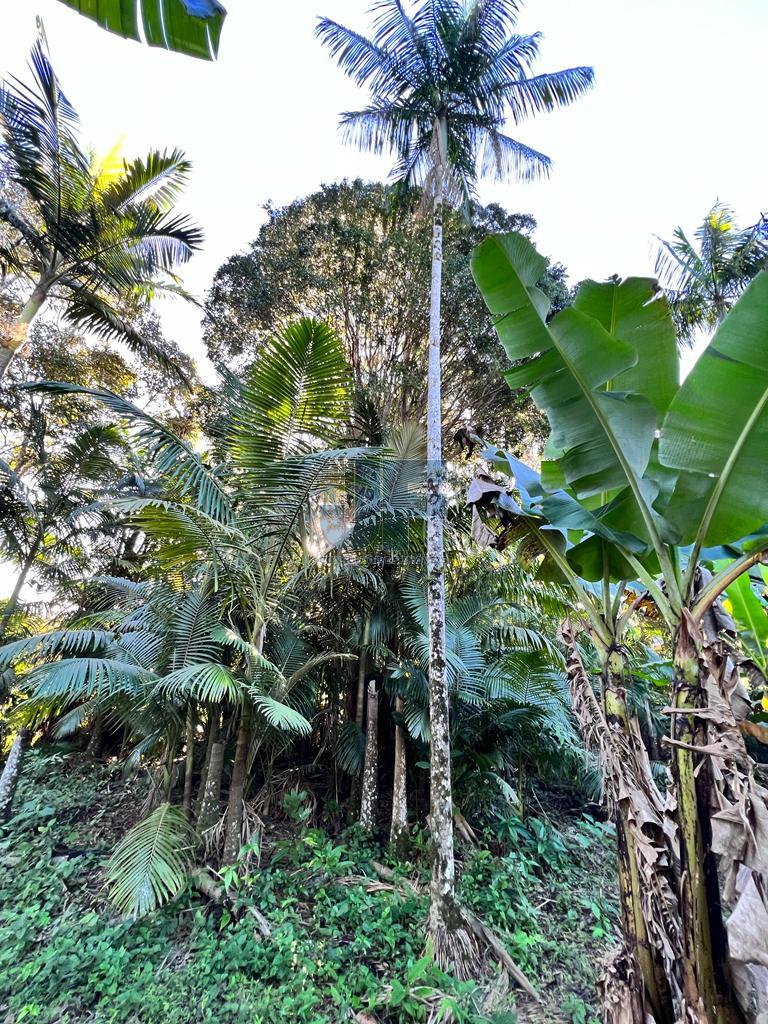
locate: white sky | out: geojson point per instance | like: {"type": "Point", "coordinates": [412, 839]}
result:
{"type": "Point", "coordinates": [674, 122]}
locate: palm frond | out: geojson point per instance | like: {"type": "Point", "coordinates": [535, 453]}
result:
{"type": "Point", "coordinates": [296, 393]}
{"type": "Point", "coordinates": [160, 177]}
{"type": "Point", "coordinates": [149, 866]}
{"type": "Point", "coordinates": [280, 716]}
{"type": "Point", "coordinates": [350, 748]}
{"type": "Point", "coordinates": [173, 457]}
{"type": "Point", "coordinates": [206, 682]}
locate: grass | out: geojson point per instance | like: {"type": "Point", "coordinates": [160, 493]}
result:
{"type": "Point", "coordinates": [342, 948]}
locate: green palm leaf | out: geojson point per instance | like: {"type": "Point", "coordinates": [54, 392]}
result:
{"type": "Point", "coordinates": [296, 393]}
{"type": "Point", "coordinates": [281, 716]}
{"type": "Point", "coordinates": [149, 866]}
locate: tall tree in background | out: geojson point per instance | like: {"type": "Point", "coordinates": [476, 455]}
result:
{"type": "Point", "coordinates": [91, 234]}
{"type": "Point", "coordinates": [357, 255]}
{"type": "Point", "coordinates": [443, 82]}
{"type": "Point", "coordinates": [704, 277]}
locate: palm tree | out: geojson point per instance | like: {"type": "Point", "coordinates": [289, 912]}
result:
{"type": "Point", "coordinates": [49, 503]}
{"type": "Point", "coordinates": [234, 534]}
{"type": "Point", "coordinates": [703, 278]}
{"type": "Point", "coordinates": [443, 81]}
{"type": "Point", "coordinates": [93, 235]}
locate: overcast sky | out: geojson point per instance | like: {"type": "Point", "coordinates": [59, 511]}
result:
{"type": "Point", "coordinates": [676, 120]}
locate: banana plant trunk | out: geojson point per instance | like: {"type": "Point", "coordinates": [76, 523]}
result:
{"type": "Point", "coordinates": [643, 976]}
{"type": "Point", "coordinates": [398, 833]}
{"type": "Point", "coordinates": [369, 800]}
{"type": "Point", "coordinates": [11, 773]}
{"type": "Point", "coordinates": [707, 988]}
{"type": "Point", "coordinates": [651, 984]}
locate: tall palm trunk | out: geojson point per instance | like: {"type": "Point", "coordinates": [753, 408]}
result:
{"type": "Point", "coordinates": [189, 764]}
{"type": "Point", "coordinates": [96, 741]}
{"type": "Point", "coordinates": [371, 763]}
{"type": "Point", "coordinates": [235, 808]}
{"type": "Point", "coordinates": [452, 942]}
{"type": "Point", "coordinates": [13, 336]}
{"type": "Point", "coordinates": [11, 773]}
{"type": "Point", "coordinates": [211, 734]}
{"type": "Point", "coordinates": [398, 833]}
{"type": "Point", "coordinates": [362, 665]}
{"type": "Point", "coordinates": [210, 785]}
{"type": "Point", "coordinates": [21, 579]}
{"type": "Point", "coordinates": [233, 840]}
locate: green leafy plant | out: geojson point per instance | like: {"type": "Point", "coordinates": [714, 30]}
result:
{"type": "Point", "coordinates": [661, 474]}
{"type": "Point", "coordinates": [98, 235]}
{"type": "Point", "coordinates": [192, 27]}
{"type": "Point", "coordinates": [149, 866]}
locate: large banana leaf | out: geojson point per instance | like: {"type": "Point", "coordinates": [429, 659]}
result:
{"type": "Point", "coordinates": [603, 372]}
{"type": "Point", "coordinates": [716, 428]}
{"type": "Point", "coordinates": [750, 614]}
{"type": "Point", "coordinates": [192, 27]}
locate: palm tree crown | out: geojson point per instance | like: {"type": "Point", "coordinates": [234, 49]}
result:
{"type": "Point", "coordinates": [452, 63]}
{"type": "Point", "coordinates": [704, 277]}
{"type": "Point", "coordinates": [92, 233]}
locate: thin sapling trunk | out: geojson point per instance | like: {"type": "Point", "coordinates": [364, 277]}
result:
{"type": "Point", "coordinates": [11, 773]}
{"type": "Point", "coordinates": [368, 803]}
{"type": "Point", "coordinates": [398, 833]}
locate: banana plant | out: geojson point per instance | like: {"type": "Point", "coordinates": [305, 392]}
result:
{"type": "Point", "coordinates": [191, 27]}
{"type": "Point", "coordinates": [642, 478]}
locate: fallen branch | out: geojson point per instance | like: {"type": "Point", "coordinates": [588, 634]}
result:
{"type": "Point", "coordinates": [216, 893]}
{"type": "Point", "coordinates": [482, 932]}
{"type": "Point", "coordinates": [463, 827]}
{"type": "Point", "coordinates": [490, 939]}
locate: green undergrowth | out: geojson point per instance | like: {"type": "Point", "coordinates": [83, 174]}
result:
{"type": "Point", "coordinates": [345, 945]}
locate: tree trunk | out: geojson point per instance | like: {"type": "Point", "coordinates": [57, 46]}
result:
{"type": "Point", "coordinates": [27, 564]}
{"type": "Point", "coordinates": [11, 772]}
{"type": "Point", "coordinates": [211, 736]}
{"type": "Point", "coordinates": [707, 989]}
{"type": "Point", "coordinates": [398, 833]}
{"type": "Point", "coordinates": [189, 764]}
{"type": "Point", "coordinates": [97, 737]}
{"type": "Point", "coordinates": [355, 790]}
{"type": "Point", "coordinates": [210, 785]}
{"type": "Point", "coordinates": [13, 336]}
{"type": "Point", "coordinates": [233, 840]}
{"type": "Point", "coordinates": [368, 803]}
{"type": "Point", "coordinates": [362, 665]}
{"type": "Point", "coordinates": [453, 942]}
